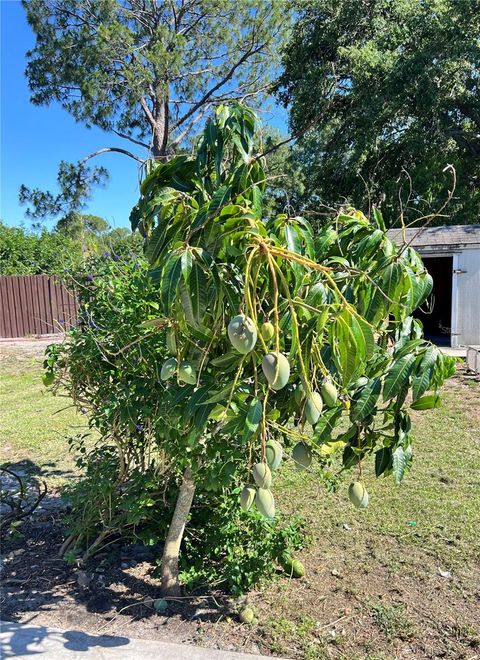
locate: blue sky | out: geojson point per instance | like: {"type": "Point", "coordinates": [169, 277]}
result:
{"type": "Point", "coordinates": [34, 139]}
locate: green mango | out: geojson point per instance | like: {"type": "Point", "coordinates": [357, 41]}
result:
{"type": "Point", "coordinates": [276, 369]}
{"type": "Point", "coordinates": [358, 495]}
{"type": "Point", "coordinates": [267, 330]}
{"type": "Point", "coordinates": [313, 408]}
{"type": "Point", "coordinates": [186, 373]}
{"type": "Point", "coordinates": [168, 369]}
{"type": "Point", "coordinates": [246, 615]}
{"type": "Point", "coordinates": [265, 503]}
{"type": "Point", "coordinates": [262, 475]}
{"type": "Point", "coordinates": [294, 568]}
{"type": "Point", "coordinates": [274, 454]}
{"type": "Point", "coordinates": [329, 394]}
{"type": "Point", "coordinates": [247, 497]}
{"type": "Point", "coordinates": [302, 456]}
{"type": "Point", "coordinates": [48, 378]}
{"type": "Point", "coordinates": [242, 333]}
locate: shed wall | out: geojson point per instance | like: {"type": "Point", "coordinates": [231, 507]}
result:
{"type": "Point", "coordinates": [468, 297]}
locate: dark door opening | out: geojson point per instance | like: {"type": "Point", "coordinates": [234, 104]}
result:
{"type": "Point", "coordinates": [436, 313]}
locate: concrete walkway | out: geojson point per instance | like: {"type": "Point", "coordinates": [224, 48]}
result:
{"type": "Point", "coordinates": [22, 641]}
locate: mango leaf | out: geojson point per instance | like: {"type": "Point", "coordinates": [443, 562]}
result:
{"type": "Point", "coordinates": [421, 286]}
{"type": "Point", "coordinates": [187, 262]}
{"type": "Point", "coordinates": [360, 326]}
{"type": "Point", "coordinates": [385, 291]}
{"type": "Point", "coordinates": [294, 245]}
{"type": "Point", "coordinates": [377, 216]}
{"type": "Point", "coordinates": [348, 346]}
{"type": "Point", "coordinates": [365, 400]}
{"type": "Point", "coordinates": [169, 282]}
{"type": "Point", "coordinates": [233, 357]}
{"type": "Point", "coordinates": [423, 373]}
{"type": "Point", "coordinates": [350, 457]}
{"type": "Point", "coordinates": [197, 285]}
{"type": "Point", "coordinates": [220, 197]}
{"type": "Point", "coordinates": [399, 463]}
{"type": "Point", "coordinates": [330, 448]}
{"type": "Point", "coordinates": [397, 376]}
{"type": "Point", "coordinates": [326, 424]}
{"type": "Point", "coordinates": [407, 348]}
{"type": "Point", "coordinates": [155, 243]}
{"type": "Point", "coordinates": [187, 306]}
{"type": "Point", "coordinates": [252, 420]}
{"type": "Point", "coordinates": [426, 402]}
{"type": "Point", "coordinates": [221, 395]}
{"type": "Point", "coordinates": [383, 460]}
{"type": "Point", "coordinates": [254, 415]}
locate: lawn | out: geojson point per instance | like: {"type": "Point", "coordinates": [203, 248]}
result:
{"type": "Point", "coordinates": [399, 579]}
{"type": "Point", "coordinates": [34, 424]}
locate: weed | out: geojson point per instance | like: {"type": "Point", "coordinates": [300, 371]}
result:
{"type": "Point", "coordinates": [392, 620]}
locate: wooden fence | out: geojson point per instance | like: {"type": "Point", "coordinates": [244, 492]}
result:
{"type": "Point", "coordinates": [34, 305]}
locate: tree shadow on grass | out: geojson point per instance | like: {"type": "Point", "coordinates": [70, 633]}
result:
{"type": "Point", "coordinates": [27, 468]}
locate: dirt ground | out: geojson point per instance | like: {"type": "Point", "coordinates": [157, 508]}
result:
{"type": "Point", "coordinates": [345, 608]}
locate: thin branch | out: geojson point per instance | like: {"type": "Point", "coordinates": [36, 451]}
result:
{"type": "Point", "coordinates": [117, 150]}
{"type": "Point", "coordinates": [189, 127]}
{"type": "Point", "coordinates": [128, 137]}
{"type": "Point", "coordinates": [223, 81]}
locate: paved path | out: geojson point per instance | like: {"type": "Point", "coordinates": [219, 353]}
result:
{"type": "Point", "coordinates": [22, 641]}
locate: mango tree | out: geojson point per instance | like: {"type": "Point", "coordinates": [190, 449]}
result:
{"type": "Point", "coordinates": [274, 336]}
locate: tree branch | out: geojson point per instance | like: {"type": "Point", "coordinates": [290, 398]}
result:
{"type": "Point", "coordinates": [128, 137]}
{"type": "Point", "coordinates": [212, 90]}
{"type": "Point", "coordinates": [117, 150]}
{"type": "Point", "coordinates": [147, 111]}
{"type": "Point", "coordinates": [189, 127]}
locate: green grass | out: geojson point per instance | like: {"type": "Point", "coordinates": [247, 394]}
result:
{"type": "Point", "coordinates": [437, 506]}
{"type": "Point", "coordinates": [34, 423]}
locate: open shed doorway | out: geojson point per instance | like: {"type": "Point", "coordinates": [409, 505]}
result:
{"type": "Point", "coordinates": [436, 313]}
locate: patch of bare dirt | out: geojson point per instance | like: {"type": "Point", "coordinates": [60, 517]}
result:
{"type": "Point", "coordinates": [20, 351]}
{"type": "Point", "coordinates": [113, 595]}
{"type": "Point", "coordinates": [351, 605]}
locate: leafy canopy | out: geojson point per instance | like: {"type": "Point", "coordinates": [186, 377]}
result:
{"type": "Point", "coordinates": [390, 93]}
{"type": "Point", "coordinates": [26, 253]}
{"type": "Point", "coordinates": [340, 302]}
{"type": "Point", "coordinates": [64, 249]}
{"type": "Point", "coordinates": [155, 368]}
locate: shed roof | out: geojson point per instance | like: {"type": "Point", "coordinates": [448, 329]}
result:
{"type": "Point", "coordinates": [446, 236]}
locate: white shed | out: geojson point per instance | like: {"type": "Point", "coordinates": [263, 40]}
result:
{"type": "Point", "coordinates": [452, 256]}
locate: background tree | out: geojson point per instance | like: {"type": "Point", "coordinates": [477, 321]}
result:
{"type": "Point", "coordinates": [46, 252]}
{"type": "Point", "coordinates": [28, 253]}
{"type": "Point", "coordinates": [78, 223]}
{"type": "Point", "coordinates": [147, 72]}
{"type": "Point", "coordinates": [390, 92]}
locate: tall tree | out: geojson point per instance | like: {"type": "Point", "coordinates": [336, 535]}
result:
{"type": "Point", "coordinates": [147, 71]}
{"type": "Point", "coordinates": [387, 94]}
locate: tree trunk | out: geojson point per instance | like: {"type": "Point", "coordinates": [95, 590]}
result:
{"type": "Point", "coordinates": [160, 129]}
{"type": "Point", "coordinates": [170, 584]}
